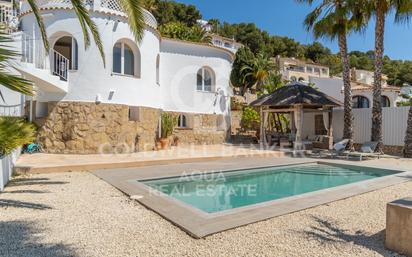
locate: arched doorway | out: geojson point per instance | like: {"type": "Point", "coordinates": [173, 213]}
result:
{"type": "Point", "coordinates": [65, 56]}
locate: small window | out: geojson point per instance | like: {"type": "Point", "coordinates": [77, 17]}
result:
{"type": "Point", "coordinates": [359, 102]}
{"type": "Point", "coordinates": [301, 79]}
{"type": "Point", "coordinates": [325, 71]}
{"type": "Point", "coordinates": [309, 69]}
{"type": "Point", "coordinates": [134, 113]}
{"type": "Point", "coordinates": [317, 70]}
{"type": "Point", "coordinates": [293, 79]}
{"type": "Point", "coordinates": [385, 101]}
{"type": "Point", "coordinates": [205, 80]}
{"type": "Point", "coordinates": [182, 121]}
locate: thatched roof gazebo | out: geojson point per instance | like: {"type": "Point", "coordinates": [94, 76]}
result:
{"type": "Point", "coordinates": [296, 98]}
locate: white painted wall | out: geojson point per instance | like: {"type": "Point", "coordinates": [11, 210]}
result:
{"type": "Point", "coordinates": [12, 104]}
{"type": "Point", "coordinates": [179, 63]}
{"type": "Point", "coordinates": [6, 167]}
{"type": "Point", "coordinates": [334, 86]}
{"type": "Point", "coordinates": [394, 125]}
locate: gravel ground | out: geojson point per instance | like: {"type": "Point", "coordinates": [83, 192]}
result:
{"type": "Point", "coordinates": [76, 214]}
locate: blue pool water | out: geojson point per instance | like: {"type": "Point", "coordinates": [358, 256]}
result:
{"type": "Point", "coordinates": [216, 192]}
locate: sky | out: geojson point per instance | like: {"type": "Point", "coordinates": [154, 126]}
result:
{"type": "Point", "coordinates": [285, 18]}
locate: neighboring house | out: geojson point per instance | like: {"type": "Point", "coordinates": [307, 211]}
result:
{"type": "Point", "coordinates": [83, 106]}
{"type": "Point", "coordinates": [224, 42]}
{"type": "Point", "coordinates": [362, 89]}
{"type": "Point", "coordinates": [219, 41]}
{"type": "Point", "coordinates": [297, 70]}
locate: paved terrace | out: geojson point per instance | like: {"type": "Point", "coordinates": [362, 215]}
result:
{"type": "Point", "coordinates": [44, 163]}
{"type": "Point", "coordinates": [77, 214]}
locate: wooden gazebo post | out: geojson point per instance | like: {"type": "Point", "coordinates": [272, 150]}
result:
{"type": "Point", "coordinates": [330, 128]}
{"type": "Point", "coordinates": [298, 113]}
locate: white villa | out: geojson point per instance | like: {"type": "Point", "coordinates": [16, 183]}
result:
{"type": "Point", "coordinates": [362, 89]}
{"type": "Point", "coordinates": [83, 105]}
{"type": "Point", "coordinates": [297, 70]}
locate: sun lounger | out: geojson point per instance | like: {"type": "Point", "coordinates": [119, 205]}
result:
{"type": "Point", "coordinates": [338, 149]}
{"type": "Point", "coordinates": [367, 151]}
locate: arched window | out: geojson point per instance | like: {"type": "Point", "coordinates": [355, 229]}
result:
{"type": "Point", "coordinates": [182, 121]}
{"type": "Point", "coordinates": [293, 79]}
{"type": "Point", "coordinates": [301, 79]}
{"type": "Point", "coordinates": [67, 49]}
{"type": "Point", "coordinates": [360, 102]}
{"type": "Point", "coordinates": [126, 59]}
{"type": "Point", "coordinates": [385, 101]}
{"type": "Point", "coordinates": [205, 79]}
{"type": "Point", "coordinates": [158, 69]}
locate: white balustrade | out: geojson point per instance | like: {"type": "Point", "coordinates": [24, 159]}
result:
{"type": "Point", "coordinates": [11, 110]}
{"type": "Point", "coordinates": [106, 6]}
{"type": "Point", "coordinates": [60, 65]}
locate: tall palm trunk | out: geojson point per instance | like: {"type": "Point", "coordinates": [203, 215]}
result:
{"type": "Point", "coordinates": [407, 151]}
{"type": "Point", "coordinates": [348, 115]}
{"type": "Point", "coordinates": [377, 86]}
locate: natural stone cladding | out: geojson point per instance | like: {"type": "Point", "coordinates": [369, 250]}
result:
{"type": "Point", "coordinates": [201, 129]}
{"type": "Point", "coordinates": [86, 128]}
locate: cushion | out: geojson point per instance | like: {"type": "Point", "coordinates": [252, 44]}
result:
{"type": "Point", "coordinates": [341, 145]}
{"type": "Point", "coordinates": [366, 149]}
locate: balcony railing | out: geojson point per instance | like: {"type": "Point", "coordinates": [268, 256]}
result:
{"type": "Point", "coordinates": [11, 110]}
{"type": "Point", "coordinates": [60, 65]}
{"type": "Point", "coordinates": [106, 6]}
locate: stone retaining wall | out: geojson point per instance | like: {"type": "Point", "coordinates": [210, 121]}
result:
{"type": "Point", "coordinates": [86, 128]}
{"type": "Point", "coordinates": [387, 149]}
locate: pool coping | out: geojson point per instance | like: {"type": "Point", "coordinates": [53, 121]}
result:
{"type": "Point", "coordinates": [199, 224]}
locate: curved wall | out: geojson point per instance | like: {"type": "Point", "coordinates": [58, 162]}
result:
{"type": "Point", "coordinates": [179, 63]}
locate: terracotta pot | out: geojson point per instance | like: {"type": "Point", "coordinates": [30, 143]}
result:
{"type": "Point", "coordinates": [164, 143]}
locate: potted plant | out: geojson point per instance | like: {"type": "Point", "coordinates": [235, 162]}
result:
{"type": "Point", "coordinates": [168, 123]}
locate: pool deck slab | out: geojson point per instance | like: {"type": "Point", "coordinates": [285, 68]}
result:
{"type": "Point", "coordinates": [52, 163]}
{"type": "Point", "coordinates": [200, 224]}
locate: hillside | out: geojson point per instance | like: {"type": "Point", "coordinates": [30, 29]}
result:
{"type": "Point", "coordinates": [179, 21]}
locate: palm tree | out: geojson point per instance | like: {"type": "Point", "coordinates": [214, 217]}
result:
{"type": "Point", "coordinates": [334, 19]}
{"type": "Point", "coordinates": [380, 9]}
{"type": "Point", "coordinates": [259, 70]}
{"type": "Point", "coordinates": [133, 9]}
{"type": "Point", "coordinates": [407, 150]}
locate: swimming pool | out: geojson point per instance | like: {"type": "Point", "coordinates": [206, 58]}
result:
{"type": "Point", "coordinates": [220, 191]}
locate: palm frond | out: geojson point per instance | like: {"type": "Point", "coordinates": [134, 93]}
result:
{"type": "Point", "coordinates": [134, 11]}
{"type": "Point", "coordinates": [87, 23]}
{"type": "Point", "coordinates": [7, 79]}
{"type": "Point", "coordinates": [15, 83]}
{"type": "Point", "coordinates": [40, 23]}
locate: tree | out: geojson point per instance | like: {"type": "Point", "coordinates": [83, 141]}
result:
{"type": "Point", "coordinates": [244, 56]}
{"type": "Point", "coordinates": [259, 70]}
{"type": "Point", "coordinates": [333, 19]}
{"type": "Point", "coordinates": [179, 30]}
{"type": "Point", "coordinates": [380, 10]}
{"type": "Point", "coordinates": [316, 51]}
{"type": "Point", "coordinates": [169, 11]}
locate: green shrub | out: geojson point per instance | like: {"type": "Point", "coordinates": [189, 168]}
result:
{"type": "Point", "coordinates": [15, 132]}
{"type": "Point", "coordinates": [169, 122]}
{"type": "Point", "coordinates": [250, 118]}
